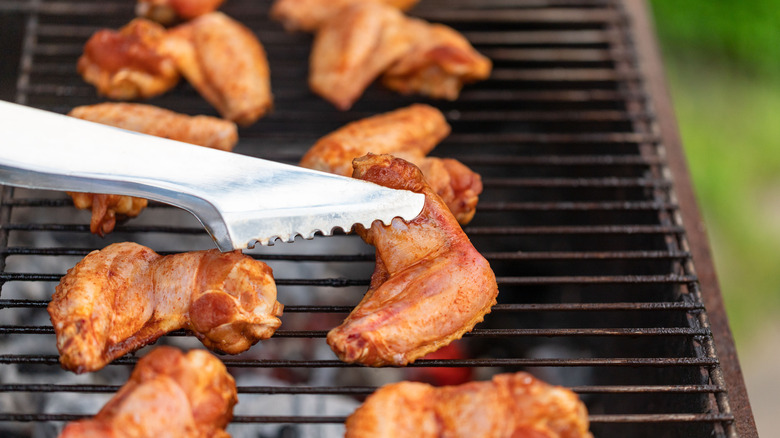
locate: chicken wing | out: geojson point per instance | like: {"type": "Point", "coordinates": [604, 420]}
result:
{"type": "Point", "coordinates": [408, 133]}
{"type": "Point", "coordinates": [308, 15]}
{"type": "Point", "coordinates": [125, 296]}
{"type": "Point", "coordinates": [352, 49]}
{"type": "Point", "coordinates": [364, 40]}
{"type": "Point", "coordinates": [226, 63]}
{"type": "Point", "coordinates": [127, 64]}
{"type": "Point", "coordinates": [169, 394]}
{"type": "Point", "coordinates": [200, 130]}
{"type": "Point", "coordinates": [439, 63]}
{"type": "Point", "coordinates": [170, 11]}
{"type": "Point", "coordinates": [107, 210]}
{"type": "Point", "coordinates": [205, 131]}
{"type": "Point", "coordinates": [429, 287]}
{"type": "Point", "coordinates": [509, 406]}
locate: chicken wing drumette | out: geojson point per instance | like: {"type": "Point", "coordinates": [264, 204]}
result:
{"type": "Point", "coordinates": [429, 287]}
{"type": "Point", "coordinates": [125, 296]}
{"type": "Point", "coordinates": [365, 40]}
{"type": "Point", "coordinates": [128, 64]}
{"type": "Point", "coordinates": [199, 130]}
{"type": "Point", "coordinates": [308, 15]}
{"type": "Point", "coordinates": [169, 394]}
{"type": "Point", "coordinates": [509, 406]}
{"type": "Point", "coordinates": [409, 133]}
{"type": "Point", "coordinates": [170, 11]}
{"type": "Point", "coordinates": [226, 63]}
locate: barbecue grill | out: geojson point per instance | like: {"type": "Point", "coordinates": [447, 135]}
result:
{"type": "Point", "coordinates": [588, 219]}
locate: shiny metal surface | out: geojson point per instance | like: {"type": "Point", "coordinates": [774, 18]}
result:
{"type": "Point", "coordinates": [239, 199]}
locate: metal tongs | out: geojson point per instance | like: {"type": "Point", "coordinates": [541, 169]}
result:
{"type": "Point", "coordinates": [240, 200]}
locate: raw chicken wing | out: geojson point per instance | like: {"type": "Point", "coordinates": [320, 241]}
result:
{"type": "Point", "coordinates": [429, 287]}
{"type": "Point", "coordinates": [408, 133]}
{"type": "Point", "coordinates": [169, 394]}
{"type": "Point", "coordinates": [107, 209]}
{"type": "Point", "coordinates": [352, 49]}
{"type": "Point", "coordinates": [226, 63]}
{"type": "Point", "coordinates": [439, 63]}
{"type": "Point", "coordinates": [364, 40]}
{"type": "Point", "coordinates": [205, 131]}
{"type": "Point", "coordinates": [128, 65]}
{"type": "Point", "coordinates": [125, 296]}
{"type": "Point", "coordinates": [200, 130]}
{"type": "Point", "coordinates": [509, 406]}
{"type": "Point", "coordinates": [170, 11]}
{"type": "Point", "coordinates": [308, 15]}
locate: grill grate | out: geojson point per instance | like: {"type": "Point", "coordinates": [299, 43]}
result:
{"type": "Point", "coordinates": [579, 219]}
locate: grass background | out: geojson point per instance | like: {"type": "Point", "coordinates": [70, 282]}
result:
{"type": "Point", "coordinates": [723, 66]}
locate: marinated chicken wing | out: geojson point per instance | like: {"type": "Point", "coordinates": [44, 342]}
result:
{"type": "Point", "coordinates": [364, 40]}
{"type": "Point", "coordinates": [205, 131]}
{"type": "Point", "coordinates": [127, 64]}
{"type": "Point", "coordinates": [308, 15]}
{"type": "Point", "coordinates": [429, 287]}
{"type": "Point", "coordinates": [170, 11]}
{"type": "Point", "coordinates": [125, 296]}
{"type": "Point", "coordinates": [107, 209]}
{"type": "Point", "coordinates": [226, 63]}
{"type": "Point", "coordinates": [352, 49]}
{"type": "Point", "coordinates": [438, 64]}
{"type": "Point", "coordinates": [169, 394]}
{"type": "Point", "coordinates": [408, 133]}
{"type": "Point", "coordinates": [200, 130]}
{"type": "Point", "coordinates": [509, 406]}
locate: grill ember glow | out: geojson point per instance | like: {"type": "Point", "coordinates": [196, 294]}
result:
{"type": "Point", "coordinates": [579, 220]}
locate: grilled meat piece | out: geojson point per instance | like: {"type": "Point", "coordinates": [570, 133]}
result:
{"type": "Point", "coordinates": [308, 15]}
{"type": "Point", "coordinates": [429, 287]}
{"type": "Point", "coordinates": [199, 130]}
{"type": "Point", "coordinates": [509, 406]}
{"type": "Point", "coordinates": [170, 11]}
{"type": "Point", "coordinates": [107, 209]}
{"type": "Point", "coordinates": [128, 64]}
{"type": "Point", "coordinates": [125, 296]}
{"type": "Point", "coordinates": [352, 49]}
{"type": "Point", "coordinates": [205, 131]}
{"type": "Point", "coordinates": [438, 64]}
{"type": "Point", "coordinates": [365, 40]}
{"type": "Point", "coordinates": [169, 394]}
{"type": "Point", "coordinates": [409, 133]}
{"type": "Point", "coordinates": [226, 63]}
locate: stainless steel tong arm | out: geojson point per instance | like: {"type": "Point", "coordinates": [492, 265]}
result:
{"type": "Point", "coordinates": [239, 199]}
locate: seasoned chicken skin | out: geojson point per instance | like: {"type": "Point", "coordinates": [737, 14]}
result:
{"type": "Point", "coordinates": [364, 40]}
{"type": "Point", "coordinates": [438, 64]}
{"type": "Point", "coordinates": [409, 133]}
{"type": "Point", "coordinates": [125, 296]}
{"type": "Point", "coordinates": [226, 63]}
{"type": "Point", "coordinates": [352, 49]}
{"type": "Point", "coordinates": [220, 57]}
{"type": "Point", "coordinates": [509, 406]}
{"type": "Point", "coordinates": [128, 64]}
{"type": "Point", "coordinates": [429, 287]}
{"type": "Point", "coordinates": [200, 130]}
{"type": "Point", "coordinates": [107, 209]}
{"type": "Point", "coordinates": [169, 394]}
{"type": "Point", "coordinates": [170, 11]}
{"type": "Point", "coordinates": [308, 15]}
{"type": "Point", "coordinates": [205, 131]}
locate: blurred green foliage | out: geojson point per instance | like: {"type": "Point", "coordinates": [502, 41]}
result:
{"type": "Point", "coordinates": [723, 65]}
{"type": "Point", "coordinates": [744, 33]}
